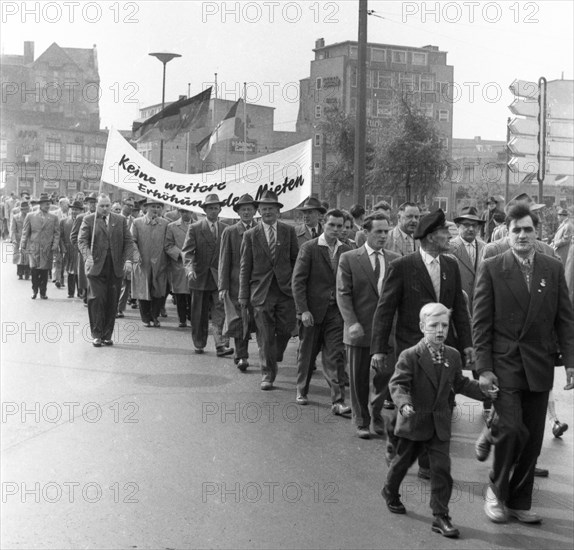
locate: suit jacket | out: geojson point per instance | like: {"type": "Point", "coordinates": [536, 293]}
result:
{"type": "Point", "coordinates": [115, 236]}
{"type": "Point", "coordinates": [66, 247]}
{"type": "Point", "coordinates": [201, 254]}
{"type": "Point", "coordinates": [408, 287]}
{"type": "Point", "coordinates": [175, 235]}
{"type": "Point", "coordinates": [257, 270]}
{"type": "Point", "coordinates": [502, 245]}
{"type": "Point", "coordinates": [399, 244]}
{"type": "Point", "coordinates": [467, 268]}
{"type": "Point", "coordinates": [314, 281]}
{"type": "Point", "coordinates": [562, 239]}
{"type": "Point", "coordinates": [516, 331]}
{"type": "Point", "coordinates": [415, 382]}
{"type": "Point", "coordinates": [487, 228]}
{"type": "Point", "coordinates": [230, 259]}
{"type": "Point", "coordinates": [304, 235]}
{"type": "Point", "coordinates": [357, 293]}
{"type": "Point", "coordinates": [40, 238]}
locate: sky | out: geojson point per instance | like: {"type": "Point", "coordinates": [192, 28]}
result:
{"type": "Point", "coordinates": [269, 45]}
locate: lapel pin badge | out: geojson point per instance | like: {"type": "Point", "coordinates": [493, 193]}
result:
{"type": "Point", "coordinates": [444, 276]}
{"type": "Point", "coordinates": [543, 283]}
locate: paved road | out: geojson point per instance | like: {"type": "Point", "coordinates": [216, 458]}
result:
{"type": "Point", "coordinates": [145, 445]}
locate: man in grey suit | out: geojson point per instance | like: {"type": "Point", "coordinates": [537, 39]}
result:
{"type": "Point", "coordinates": [201, 259]}
{"type": "Point", "coordinates": [40, 240]}
{"type": "Point", "coordinates": [268, 255]}
{"type": "Point", "coordinates": [107, 249]}
{"type": "Point", "coordinates": [359, 284]}
{"type": "Point", "coordinates": [467, 248]}
{"type": "Point", "coordinates": [311, 227]}
{"type": "Point", "coordinates": [321, 327]}
{"type": "Point", "coordinates": [401, 239]}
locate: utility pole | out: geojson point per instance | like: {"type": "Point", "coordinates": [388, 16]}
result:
{"type": "Point", "coordinates": [361, 121]}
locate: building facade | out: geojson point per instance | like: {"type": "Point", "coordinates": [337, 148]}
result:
{"type": "Point", "coordinates": [50, 137]}
{"type": "Point", "coordinates": [421, 73]}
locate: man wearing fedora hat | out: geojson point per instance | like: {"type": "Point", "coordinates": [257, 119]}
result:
{"type": "Point", "coordinates": [268, 255]}
{"type": "Point", "coordinates": [311, 227]}
{"type": "Point", "coordinates": [201, 259]}
{"type": "Point", "coordinates": [467, 248]}
{"type": "Point", "coordinates": [149, 276]}
{"type": "Point", "coordinates": [425, 276]}
{"type": "Point", "coordinates": [90, 205]}
{"type": "Point", "coordinates": [16, 226]}
{"type": "Point", "coordinates": [40, 240]}
{"type": "Point", "coordinates": [228, 283]}
{"type": "Point", "coordinates": [107, 249]}
{"type": "Point", "coordinates": [69, 253]}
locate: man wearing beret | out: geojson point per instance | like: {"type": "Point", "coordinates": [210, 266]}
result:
{"type": "Point", "coordinates": [228, 283]}
{"type": "Point", "coordinates": [201, 259]}
{"type": "Point", "coordinates": [425, 276]}
{"type": "Point", "coordinates": [268, 255]}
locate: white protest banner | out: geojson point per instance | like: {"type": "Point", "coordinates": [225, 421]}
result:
{"type": "Point", "coordinates": [287, 173]}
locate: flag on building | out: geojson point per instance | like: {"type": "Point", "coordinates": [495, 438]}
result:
{"type": "Point", "coordinates": [176, 118]}
{"type": "Point", "coordinates": [226, 129]}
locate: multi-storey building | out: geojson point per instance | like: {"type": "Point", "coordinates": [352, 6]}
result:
{"type": "Point", "coordinates": [422, 73]}
{"type": "Point", "coordinates": [50, 133]}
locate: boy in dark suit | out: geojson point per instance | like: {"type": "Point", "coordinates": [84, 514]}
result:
{"type": "Point", "coordinates": [423, 385]}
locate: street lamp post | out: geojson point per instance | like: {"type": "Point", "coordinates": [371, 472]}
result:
{"type": "Point", "coordinates": [165, 58]}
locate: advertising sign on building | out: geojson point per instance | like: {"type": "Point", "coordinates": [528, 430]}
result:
{"type": "Point", "coordinates": [239, 146]}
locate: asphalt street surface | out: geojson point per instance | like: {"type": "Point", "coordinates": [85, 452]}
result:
{"type": "Point", "coordinates": [146, 445]}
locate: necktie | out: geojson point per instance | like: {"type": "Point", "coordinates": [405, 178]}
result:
{"type": "Point", "coordinates": [214, 231]}
{"type": "Point", "coordinates": [272, 242]}
{"type": "Point", "coordinates": [472, 253]}
{"type": "Point", "coordinates": [105, 220]}
{"type": "Point", "coordinates": [377, 270]}
{"type": "Point", "coordinates": [435, 277]}
{"type": "Point", "coordinates": [526, 268]}
{"type": "Point", "coordinates": [313, 233]}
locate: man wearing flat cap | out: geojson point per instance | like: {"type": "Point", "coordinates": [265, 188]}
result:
{"type": "Point", "coordinates": [201, 259]}
{"type": "Point", "coordinates": [228, 282]}
{"type": "Point", "coordinates": [311, 227]}
{"type": "Point", "coordinates": [467, 248]}
{"type": "Point", "coordinates": [268, 255]}
{"type": "Point", "coordinates": [425, 276]}
{"type": "Point", "coordinates": [149, 276]}
{"type": "Point", "coordinates": [40, 240]}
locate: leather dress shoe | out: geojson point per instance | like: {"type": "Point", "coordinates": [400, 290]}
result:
{"type": "Point", "coordinates": [58, 284]}
{"type": "Point", "coordinates": [482, 446]}
{"type": "Point", "coordinates": [363, 432]}
{"type": "Point", "coordinates": [340, 409]}
{"type": "Point", "coordinates": [443, 525]}
{"type": "Point", "coordinates": [302, 399]}
{"type": "Point", "coordinates": [389, 405]}
{"type": "Point", "coordinates": [156, 323]}
{"type": "Point", "coordinates": [108, 342]}
{"type": "Point", "coordinates": [119, 315]}
{"type": "Point", "coordinates": [163, 312]}
{"type": "Point", "coordinates": [199, 351]}
{"type": "Point", "coordinates": [559, 428]}
{"type": "Point", "coordinates": [540, 472]}
{"type": "Point", "coordinates": [34, 295]}
{"type": "Point", "coordinates": [242, 365]}
{"type": "Point", "coordinates": [394, 503]}
{"type": "Point", "coordinates": [182, 325]}
{"type": "Point", "coordinates": [97, 342]}
{"type": "Point", "coordinates": [147, 324]}
{"type": "Point", "coordinates": [525, 516]}
{"type": "Point", "coordinates": [266, 386]}
{"type": "Point", "coordinates": [43, 296]}
{"type": "Point", "coordinates": [495, 509]}
{"type": "Point", "coordinates": [222, 351]}
{"type": "Point", "coordinates": [379, 426]}
{"type": "Point", "coordinates": [423, 473]}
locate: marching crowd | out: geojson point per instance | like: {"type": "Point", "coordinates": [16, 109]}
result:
{"type": "Point", "coordinates": [396, 311]}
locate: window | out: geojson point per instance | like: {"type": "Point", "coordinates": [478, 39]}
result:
{"type": "Point", "coordinates": [319, 83]}
{"type": "Point", "coordinates": [383, 108]}
{"type": "Point", "coordinates": [51, 150]}
{"type": "Point", "coordinates": [378, 55]}
{"type": "Point", "coordinates": [427, 110]}
{"type": "Point", "coordinates": [443, 142]}
{"type": "Point", "coordinates": [318, 111]}
{"type": "Point", "coordinates": [354, 52]}
{"type": "Point", "coordinates": [354, 77]}
{"type": "Point", "coordinates": [317, 168]}
{"type": "Point", "coordinates": [440, 202]}
{"type": "Point", "coordinates": [407, 82]}
{"type": "Point", "coordinates": [318, 140]}
{"type": "Point", "coordinates": [382, 80]}
{"type": "Point", "coordinates": [399, 57]}
{"type": "Point", "coordinates": [353, 105]}
{"type": "Point", "coordinates": [427, 83]}
{"type": "Point", "coordinates": [97, 154]}
{"type": "Point", "coordinates": [73, 152]}
{"type": "Point", "coordinates": [443, 115]}
{"type": "Point", "coordinates": [419, 58]}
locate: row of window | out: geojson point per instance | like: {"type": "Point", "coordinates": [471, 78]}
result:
{"type": "Point", "coordinates": [74, 152]}
{"type": "Point", "coordinates": [385, 80]}
{"type": "Point", "coordinates": [381, 55]}
{"type": "Point", "coordinates": [318, 142]}
{"type": "Point", "coordinates": [383, 108]}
